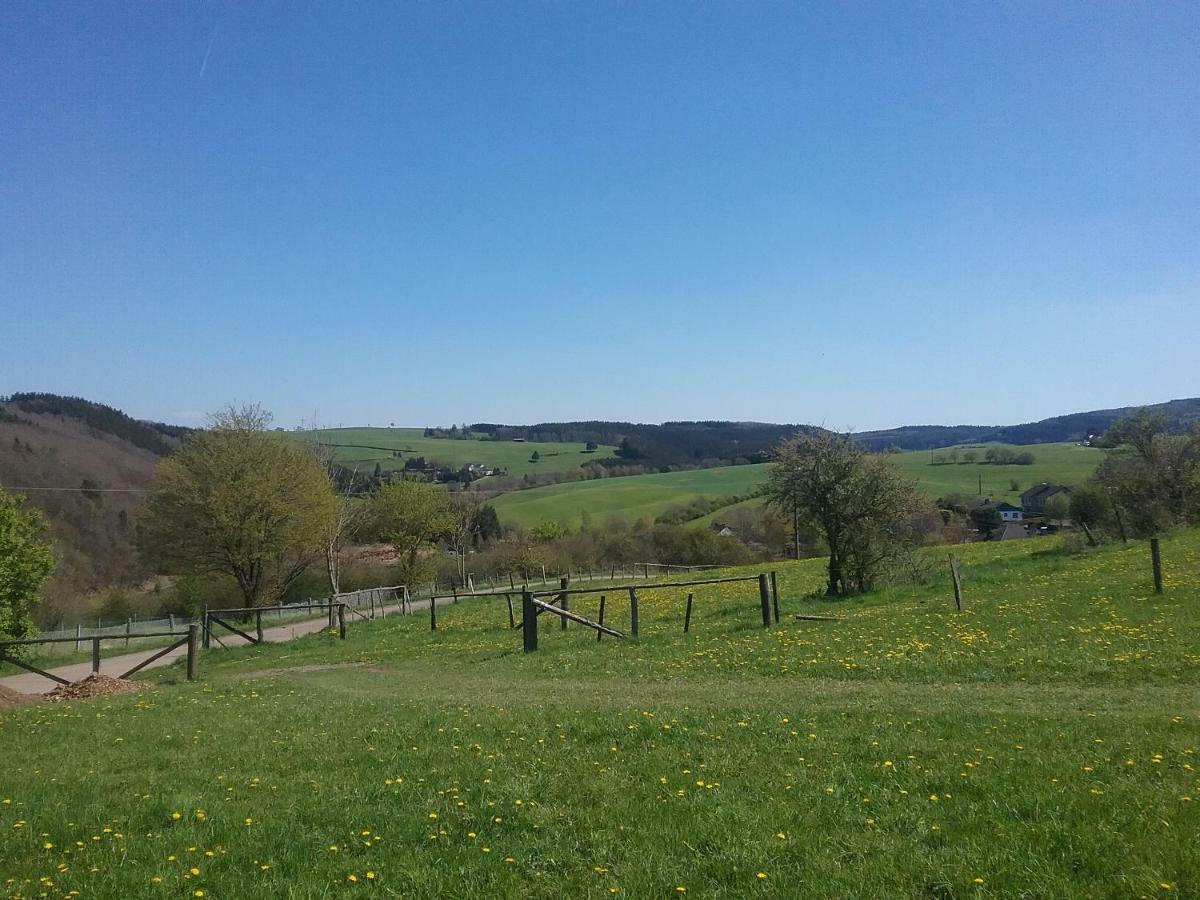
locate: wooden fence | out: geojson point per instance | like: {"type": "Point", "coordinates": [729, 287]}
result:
{"type": "Point", "coordinates": [533, 606]}
{"type": "Point", "coordinates": [190, 638]}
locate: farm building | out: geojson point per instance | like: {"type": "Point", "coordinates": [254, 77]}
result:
{"type": "Point", "coordinates": [1008, 512]}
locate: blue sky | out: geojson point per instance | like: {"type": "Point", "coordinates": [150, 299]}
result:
{"type": "Point", "coordinates": [860, 215]}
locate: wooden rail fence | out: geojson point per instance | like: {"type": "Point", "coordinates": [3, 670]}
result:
{"type": "Point", "coordinates": [189, 637]}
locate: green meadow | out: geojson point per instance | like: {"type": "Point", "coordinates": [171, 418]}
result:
{"type": "Point", "coordinates": [1041, 743]}
{"type": "Point", "coordinates": [367, 446]}
{"type": "Point", "coordinates": [650, 495]}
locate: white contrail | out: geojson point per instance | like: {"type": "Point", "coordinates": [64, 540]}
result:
{"type": "Point", "coordinates": [208, 52]}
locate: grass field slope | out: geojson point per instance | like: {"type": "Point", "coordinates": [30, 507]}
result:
{"type": "Point", "coordinates": [1041, 743]}
{"type": "Point", "coordinates": [367, 446]}
{"type": "Point", "coordinates": [641, 495]}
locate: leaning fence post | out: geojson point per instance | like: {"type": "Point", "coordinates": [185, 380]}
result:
{"type": "Point", "coordinates": [957, 583]}
{"type": "Point", "coordinates": [633, 612]}
{"type": "Point", "coordinates": [512, 620]}
{"type": "Point", "coordinates": [600, 634]}
{"type": "Point", "coordinates": [775, 596]}
{"type": "Point", "coordinates": [258, 632]}
{"type": "Point", "coordinates": [96, 655]}
{"type": "Point", "coordinates": [207, 635]}
{"type": "Point", "coordinates": [1156, 563]}
{"type": "Point", "coordinates": [528, 621]}
{"type": "Point", "coordinates": [564, 598]}
{"type": "Point", "coordinates": [193, 634]}
{"type": "Point", "coordinates": [687, 616]}
{"type": "Point", "coordinates": [341, 613]}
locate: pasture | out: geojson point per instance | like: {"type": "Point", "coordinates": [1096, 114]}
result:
{"type": "Point", "coordinates": [642, 495]}
{"type": "Point", "coordinates": [365, 447]}
{"type": "Point", "coordinates": [1040, 743]}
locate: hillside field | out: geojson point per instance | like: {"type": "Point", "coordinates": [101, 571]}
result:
{"type": "Point", "coordinates": [1041, 743]}
{"type": "Point", "coordinates": [555, 457]}
{"type": "Point", "coordinates": [641, 495]}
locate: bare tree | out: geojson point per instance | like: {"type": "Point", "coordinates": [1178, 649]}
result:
{"type": "Point", "coordinates": [465, 507]}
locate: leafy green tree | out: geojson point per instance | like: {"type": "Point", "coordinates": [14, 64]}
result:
{"type": "Point", "coordinates": [411, 516]}
{"type": "Point", "coordinates": [26, 560]}
{"type": "Point", "coordinates": [592, 446]}
{"type": "Point", "coordinates": [239, 501]}
{"type": "Point", "coordinates": [861, 504]}
{"type": "Point", "coordinates": [987, 519]}
{"type": "Point", "coordinates": [535, 456]}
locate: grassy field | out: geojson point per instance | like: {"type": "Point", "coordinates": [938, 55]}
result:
{"type": "Point", "coordinates": [555, 457]}
{"type": "Point", "coordinates": [651, 495]}
{"type": "Point", "coordinates": [1042, 743]}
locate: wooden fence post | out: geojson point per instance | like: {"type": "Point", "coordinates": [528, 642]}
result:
{"type": "Point", "coordinates": [207, 635]}
{"type": "Point", "coordinates": [512, 620]}
{"type": "Point", "coordinates": [957, 583]}
{"type": "Point", "coordinates": [96, 655]}
{"type": "Point", "coordinates": [775, 596]}
{"type": "Point", "coordinates": [128, 629]}
{"type": "Point", "coordinates": [341, 616]}
{"type": "Point", "coordinates": [258, 631]}
{"type": "Point", "coordinates": [687, 616]}
{"type": "Point", "coordinates": [193, 634]}
{"type": "Point", "coordinates": [529, 621]}
{"type": "Point", "coordinates": [600, 634]}
{"type": "Point", "coordinates": [78, 635]}
{"type": "Point", "coordinates": [633, 612]}
{"type": "Point", "coordinates": [1156, 563]}
{"type": "Point", "coordinates": [433, 613]}
{"type": "Point", "coordinates": [564, 600]}
{"type": "Point", "coordinates": [764, 599]}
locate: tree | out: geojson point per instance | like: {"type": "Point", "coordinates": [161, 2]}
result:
{"type": "Point", "coordinates": [535, 456]}
{"type": "Point", "coordinates": [1152, 477]}
{"type": "Point", "coordinates": [861, 504]}
{"type": "Point", "coordinates": [465, 509]}
{"type": "Point", "coordinates": [488, 525]}
{"type": "Point", "coordinates": [238, 501]}
{"type": "Point", "coordinates": [1058, 508]}
{"type": "Point", "coordinates": [27, 560]}
{"type": "Point", "coordinates": [987, 519]}
{"type": "Point", "coordinates": [411, 515]}
{"type": "Point", "coordinates": [592, 447]}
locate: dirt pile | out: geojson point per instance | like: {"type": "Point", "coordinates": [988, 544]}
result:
{"type": "Point", "coordinates": [10, 699]}
{"type": "Point", "coordinates": [92, 686]}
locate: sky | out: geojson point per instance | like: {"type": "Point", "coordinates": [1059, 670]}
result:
{"type": "Point", "coordinates": [859, 215]}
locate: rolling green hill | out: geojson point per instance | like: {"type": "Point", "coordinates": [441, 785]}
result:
{"type": "Point", "coordinates": [367, 446]}
{"type": "Point", "coordinates": [651, 495]}
{"type": "Point", "coordinates": [1039, 743]}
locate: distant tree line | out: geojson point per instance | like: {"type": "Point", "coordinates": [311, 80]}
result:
{"type": "Point", "coordinates": [993, 456]}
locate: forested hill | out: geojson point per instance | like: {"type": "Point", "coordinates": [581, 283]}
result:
{"type": "Point", "coordinates": [673, 444]}
{"type": "Point", "coordinates": [1073, 427]}
{"type": "Point", "coordinates": [156, 437]}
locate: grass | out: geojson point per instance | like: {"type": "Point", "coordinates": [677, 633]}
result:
{"type": "Point", "coordinates": [632, 496]}
{"type": "Point", "coordinates": [554, 456]}
{"type": "Point", "coordinates": [642, 495]}
{"type": "Point", "coordinates": [1041, 743]}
